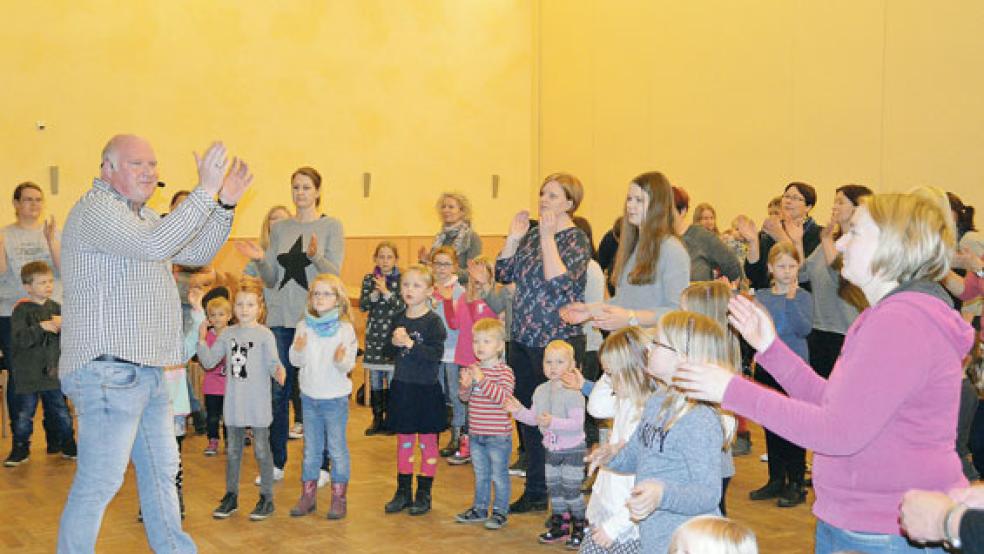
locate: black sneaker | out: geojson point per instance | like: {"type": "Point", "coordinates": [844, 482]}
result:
{"type": "Point", "coordinates": [53, 448]}
{"type": "Point", "coordinates": [228, 505]}
{"type": "Point", "coordinates": [525, 505]}
{"type": "Point", "coordinates": [20, 453]}
{"type": "Point", "coordinates": [471, 515]}
{"type": "Point", "coordinates": [497, 521]}
{"type": "Point", "coordinates": [263, 509]}
{"type": "Point", "coordinates": [70, 451]}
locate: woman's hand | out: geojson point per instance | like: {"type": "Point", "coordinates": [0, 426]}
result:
{"type": "Point", "coordinates": [519, 226]}
{"type": "Point", "coordinates": [312, 249]}
{"type": "Point", "coordinates": [575, 313]}
{"type": "Point", "coordinates": [746, 228]}
{"type": "Point", "coordinates": [773, 227]}
{"type": "Point", "coordinates": [828, 231]}
{"type": "Point", "coordinates": [572, 379]}
{"type": "Point", "coordinates": [249, 249]}
{"type": "Point", "coordinates": [973, 497]}
{"type": "Point", "coordinates": [549, 225]}
{"type": "Point", "coordinates": [752, 322]}
{"type": "Point", "coordinates": [705, 382]}
{"type": "Point", "coordinates": [611, 318]}
{"type": "Point", "coordinates": [602, 455]}
{"type": "Point", "coordinates": [644, 499]}
{"type": "Point", "coordinates": [921, 515]}
{"type": "Point", "coordinates": [478, 274]}
{"type": "Point", "coordinates": [794, 230]}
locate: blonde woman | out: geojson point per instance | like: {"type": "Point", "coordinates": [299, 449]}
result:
{"type": "Point", "coordinates": [455, 211]}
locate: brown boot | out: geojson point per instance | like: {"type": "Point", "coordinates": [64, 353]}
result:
{"type": "Point", "coordinates": [308, 501]}
{"type": "Point", "coordinates": [338, 501]}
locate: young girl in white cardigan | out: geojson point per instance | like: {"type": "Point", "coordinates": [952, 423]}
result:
{"type": "Point", "coordinates": [324, 350]}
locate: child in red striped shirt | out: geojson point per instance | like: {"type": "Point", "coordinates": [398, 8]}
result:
{"type": "Point", "coordinates": [485, 386]}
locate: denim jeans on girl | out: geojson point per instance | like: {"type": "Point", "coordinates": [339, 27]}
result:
{"type": "Point", "coordinates": [325, 422]}
{"type": "Point", "coordinates": [281, 398]}
{"type": "Point", "coordinates": [832, 539]}
{"type": "Point", "coordinates": [490, 460]}
{"type": "Point", "coordinates": [124, 413]}
{"type": "Point", "coordinates": [449, 384]}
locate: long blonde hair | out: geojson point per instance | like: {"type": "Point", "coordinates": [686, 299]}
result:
{"type": "Point", "coordinates": [711, 298]}
{"type": "Point", "coordinates": [264, 241]}
{"type": "Point", "coordinates": [696, 338]}
{"type": "Point", "coordinates": [625, 355]}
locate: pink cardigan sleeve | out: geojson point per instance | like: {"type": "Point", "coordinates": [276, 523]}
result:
{"type": "Point", "coordinates": [795, 376]}
{"type": "Point", "coordinates": [871, 382]}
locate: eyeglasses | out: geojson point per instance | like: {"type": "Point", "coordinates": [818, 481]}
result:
{"type": "Point", "coordinates": [324, 294]}
{"type": "Point", "coordinates": [443, 264]}
{"type": "Point", "coordinates": [794, 197]}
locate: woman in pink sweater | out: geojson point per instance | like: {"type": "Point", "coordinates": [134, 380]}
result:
{"type": "Point", "coordinates": [885, 420]}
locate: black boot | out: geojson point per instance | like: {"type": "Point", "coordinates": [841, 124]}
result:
{"type": "Point", "coordinates": [386, 429]}
{"type": "Point", "coordinates": [772, 489]}
{"type": "Point", "coordinates": [376, 400]}
{"type": "Point", "coordinates": [792, 495]}
{"type": "Point", "coordinates": [422, 502]}
{"type": "Point", "coordinates": [556, 531]}
{"type": "Point", "coordinates": [20, 453]}
{"type": "Point", "coordinates": [403, 497]}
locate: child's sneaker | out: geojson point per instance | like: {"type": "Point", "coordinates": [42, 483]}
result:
{"type": "Point", "coordinates": [497, 521]}
{"type": "Point", "coordinates": [471, 515]}
{"type": "Point", "coordinates": [263, 509]}
{"type": "Point", "coordinates": [296, 432]}
{"type": "Point", "coordinates": [518, 469]}
{"type": "Point", "coordinates": [228, 505]}
{"type": "Point", "coordinates": [20, 453]}
{"type": "Point", "coordinates": [213, 447]}
{"type": "Point", "coordinates": [557, 531]}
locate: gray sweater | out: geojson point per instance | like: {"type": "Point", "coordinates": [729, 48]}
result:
{"type": "Point", "coordinates": [686, 459]}
{"type": "Point", "coordinates": [709, 253]}
{"type": "Point", "coordinates": [663, 294]}
{"type": "Point", "coordinates": [831, 313]}
{"type": "Point", "coordinates": [251, 360]}
{"type": "Point", "coordinates": [286, 270]}
{"type": "Point", "coordinates": [566, 406]}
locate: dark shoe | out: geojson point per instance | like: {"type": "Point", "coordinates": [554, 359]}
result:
{"type": "Point", "coordinates": [377, 401]}
{"type": "Point", "coordinates": [452, 446]}
{"type": "Point", "coordinates": [228, 505]}
{"type": "Point", "coordinates": [525, 504]}
{"type": "Point", "coordinates": [472, 515]}
{"type": "Point", "coordinates": [263, 509]}
{"type": "Point", "coordinates": [772, 489]}
{"type": "Point", "coordinates": [792, 495]}
{"type": "Point", "coordinates": [497, 521]}
{"type": "Point", "coordinates": [557, 531]}
{"type": "Point", "coordinates": [577, 534]}
{"type": "Point", "coordinates": [308, 501]}
{"type": "Point", "coordinates": [463, 455]}
{"type": "Point", "coordinates": [181, 503]}
{"type": "Point", "coordinates": [53, 448]}
{"type": "Point", "coordinates": [403, 497]}
{"type": "Point", "coordinates": [519, 468]}
{"type": "Point", "coordinates": [20, 453]}
{"type": "Point", "coordinates": [71, 450]}
{"type": "Point", "coordinates": [339, 502]}
{"type": "Point", "coordinates": [422, 500]}
{"type": "Point", "coordinates": [742, 446]}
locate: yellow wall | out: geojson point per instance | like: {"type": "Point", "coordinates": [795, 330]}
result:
{"type": "Point", "coordinates": [729, 99]}
{"type": "Point", "coordinates": [425, 95]}
{"type": "Point", "coordinates": [734, 99]}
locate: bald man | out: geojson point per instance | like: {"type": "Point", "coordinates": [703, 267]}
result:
{"type": "Point", "coordinates": [122, 325]}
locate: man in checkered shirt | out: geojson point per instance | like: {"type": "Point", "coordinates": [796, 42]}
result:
{"type": "Point", "coordinates": [122, 325]}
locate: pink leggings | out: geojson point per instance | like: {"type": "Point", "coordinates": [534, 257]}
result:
{"type": "Point", "coordinates": [428, 453]}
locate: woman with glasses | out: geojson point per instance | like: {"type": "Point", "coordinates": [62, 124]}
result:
{"type": "Point", "coordinates": [29, 239]}
{"type": "Point", "coordinates": [885, 421]}
{"type": "Point", "coordinates": [455, 212]}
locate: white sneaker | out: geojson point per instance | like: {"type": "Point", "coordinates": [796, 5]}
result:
{"type": "Point", "coordinates": [764, 458]}
{"type": "Point", "coordinates": [278, 475]}
{"type": "Point", "coordinates": [323, 478]}
{"type": "Point", "coordinates": [296, 432]}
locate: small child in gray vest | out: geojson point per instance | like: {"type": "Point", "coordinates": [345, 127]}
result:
{"type": "Point", "coordinates": [559, 413]}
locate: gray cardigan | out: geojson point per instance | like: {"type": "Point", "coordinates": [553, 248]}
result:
{"type": "Point", "coordinates": [663, 294]}
{"type": "Point", "coordinates": [707, 253]}
{"type": "Point", "coordinates": [831, 313]}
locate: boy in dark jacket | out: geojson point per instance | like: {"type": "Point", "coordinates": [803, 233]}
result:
{"type": "Point", "coordinates": [35, 326]}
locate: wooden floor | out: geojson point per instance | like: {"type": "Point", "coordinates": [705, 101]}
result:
{"type": "Point", "coordinates": [31, 497]}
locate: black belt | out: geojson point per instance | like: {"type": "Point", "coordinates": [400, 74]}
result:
{"type": "Point", "coordinates": [114, 359]}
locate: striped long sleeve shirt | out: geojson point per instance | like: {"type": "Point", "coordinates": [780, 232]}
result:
{"type": "Point", "coordinates": [120, 295]}
{"type": "Point", "coordinates": [486, 416]}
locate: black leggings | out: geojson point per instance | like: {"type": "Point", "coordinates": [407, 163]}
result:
{"type": "Point", "coordinates": [213, 413]}
{"type": "Point", "coordinates": [787, 461]}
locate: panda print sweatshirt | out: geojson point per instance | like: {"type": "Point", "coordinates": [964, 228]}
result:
{"type": "Point", "coordinates": [251, 360]}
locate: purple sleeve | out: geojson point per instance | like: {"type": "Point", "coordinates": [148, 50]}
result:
{"type": "Point", "coordinates": [572, 423]}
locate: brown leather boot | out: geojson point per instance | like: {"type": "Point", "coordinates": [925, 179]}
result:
{"type": "Point", "coordinates": [338, 501]}
{"type": "Point", "coordinates": [308, 501]}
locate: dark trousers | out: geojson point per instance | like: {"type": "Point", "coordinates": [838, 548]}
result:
{"type": "Point", "coordinates": [281, 398]}
{"type": "Point", "coordinates": [13, 402]}
{"type": "Point", "coordinates": [591, 369]}
{"type": "Point", "coordinates": [787, 461]}
{"type": "Point", "coordinates": [527, 365]}
{"type": "Point", "coordinates": [213, 414]}
{"type": "Point", "coordinates": [824, 347]}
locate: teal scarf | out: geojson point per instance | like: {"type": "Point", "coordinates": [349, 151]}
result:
{"type": "Point", "coordinates": [325, 325]}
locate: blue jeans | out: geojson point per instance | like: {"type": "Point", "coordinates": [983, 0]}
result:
{"type": "Point", "coordinates": [281, 398]}
{"type": "Point", "coordinates": [449, 383]}
{"type": "Point", "coordinates": [832, 539]}
{"type": "Point", "coordinates": [55, 410]}
{"type": "Point", "coordinates": [325, 422]}
{"type": "Point", "coordinates": [490, 460]}
{"type": "Point", "coordinates": [124, 413]}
